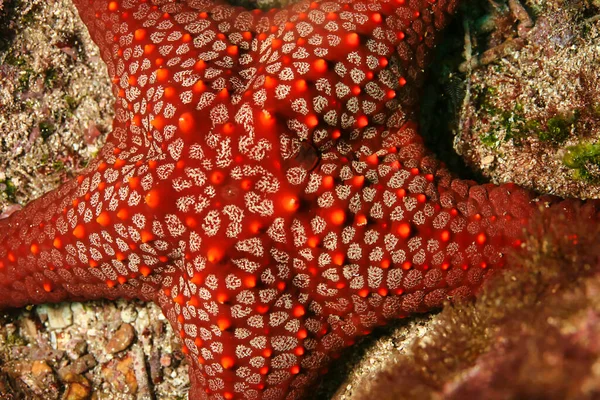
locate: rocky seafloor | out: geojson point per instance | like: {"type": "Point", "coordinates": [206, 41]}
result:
{"type": "Point", "coordinates": [516, 93]}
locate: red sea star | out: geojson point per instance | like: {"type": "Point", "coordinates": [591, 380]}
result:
{"type": "Point", "coordinates": [266, 185]}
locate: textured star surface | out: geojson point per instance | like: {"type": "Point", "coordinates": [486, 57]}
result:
{"type": "Point", "coordinates": [266, 185]}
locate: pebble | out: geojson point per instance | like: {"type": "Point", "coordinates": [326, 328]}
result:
{"type": "Point", "coordinates": [121, 340]}
{"type": "Point", "coordinates": [57, 317]}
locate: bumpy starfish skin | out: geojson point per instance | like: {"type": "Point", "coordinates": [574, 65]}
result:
{"type": "Point", "coordinates": [266, 185]}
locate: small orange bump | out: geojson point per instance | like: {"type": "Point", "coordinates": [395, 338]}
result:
{"type": "Point", "coordinates": [295, 370]}
{"type": "Point", "coordinates": [79, 231]}
{"type": "Point", "coordinates": [145, 270]}
{"type": "Point", "coordinates": [312, 121]}
{"type": "Point", "coordinates": [111, 284]}
{"type": "Point", "coordinates": [298, 310]}
{"type": "Point", "coordinates": [163, 259]}
{"type": "Point", "coordinates": [262, 309]}
{"type": "Point", "coordinates": [232, 50]}
{"type": "Point", "coordinates": [299, 351]}
{"type": "Point", "coordinates": [373, 159]}
{"type": "Point", "coordinates": [385, 263]}
{"type": "Point", "coordinates": [377, 18]}
{"type": "Point", "coordinates": [123, 214]}
{"type": "Point", "coordinates": [223, 323]}
{"type": "Point", "coordinates": [179, 299]}
{"type": "Point", "coordinates": [270, 82]}
{"type": "Point", "coordinates": [146, 236]}
{"type": "Point", "coordinates": [246, 184]}
{"type": "Point", "coordinates": [313, 241]}
{"type": "Point", "coordinates": [153, 198]}
{"type": "Point", "coordinates": [120, 256]}
{"type": "Point", "coordinates": [228, 128]}
{"type": "Point", "coordinates": [263, 370]}
{"type": "Point", "coordinates": [196, 279]}
{"type": "Point", "coordinates": [300, 85]}
{"type": "Point", "coordinates": [194, 301]}
{"type": "Point", "coordinates": [191, 222]}
{"type": "Point", "coordinates": [250, 281]}
{"type": "Point", "coordinates": [134, 182]}
{"type": "Point", "coordinates": [255, 227]}
{"type": "Point", "coordinates": [339, 259]}
{"type": "Point", "coordinates": [199, 65]}
{"type": "Point", "coordinates": [158, 122]}
{"type": "Point", "coordinates": [162, 75]}
{"type": "Point", "coordinates": [276, 43]}
{"type": "Point", "coordinates": [103, 219]}
{"type": "Point", "coordinates": [186, 122]}
{"type": "Point", "coordinates": [113, 6]}
{"type": "Point", "coordinates": [302, 334]}
{"type": "Point", "coordinates": [222, 297]}
{"type": "Point", "coordinates": [227, 395]}
{"type": "Point", "coordinates": [122, 280]}
{"type": "Point", "coordinates": [401, 81]}
{"type": "Point", "coordinates": [57, 243]}
{"type": "Point", "coordinates": [445, 236]}
{"type": "Point", "coordinates": [170, 93]}
{"type": "Point", "coordinates": [382, 292]}
{"type": "Point", "coordinates": [186, 38]}
{"type": "Point", "coordinates": [290, 203]}
{"type": "Point", "coordinates": [352, 39]}
{"type": "Point", "coordinates": [336, 134]}
{"type": "Point", "coordinates": [360, 219]}
{"type": "Point", "coordinates": [358, 181]}
{"type": "Point", "coordinates": [217, 177]}
{"type": "Point", "coordinates": [199, 87]}
{"type": "Point", "coordinates": [328, 182]}
{"type": "Point", "coordinates": [34, 248]}
{"type": "Point", "coordinates": [362, 121]}
{"type": "Point", "coordinates": [363, 292]}
{"type": "Point", "coordinates": [320, 66]}
{"type": "Point", "coordinates": [338, 217]}
{"type": "Point", "coordinates": [214, 255]}
{"type": "Point", "coordinates": [93, 263]}
{"type": "Point", "coordinates": [421, 198]}
{"type": "Point", "coordinates": [481, 238]}
{"type": "Point", "coordinates": [406, 265]}
{"type": "Point", "coordinates": [47, 287]}
{"type": "Point", "coordinates": [404, 230]}
{"type": "Point", "coordinates": [149, 49]}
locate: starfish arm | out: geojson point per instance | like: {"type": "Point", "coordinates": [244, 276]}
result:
{"type": "Point", "coordinates": [91, 238]}
{"type": "Point", "coordinates": [244, 325]}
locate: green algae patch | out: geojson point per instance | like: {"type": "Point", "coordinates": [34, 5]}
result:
{"type": "Point", "coordinates": [559, 127]}
{"type": "Point", "coordinates": [584, 159]}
